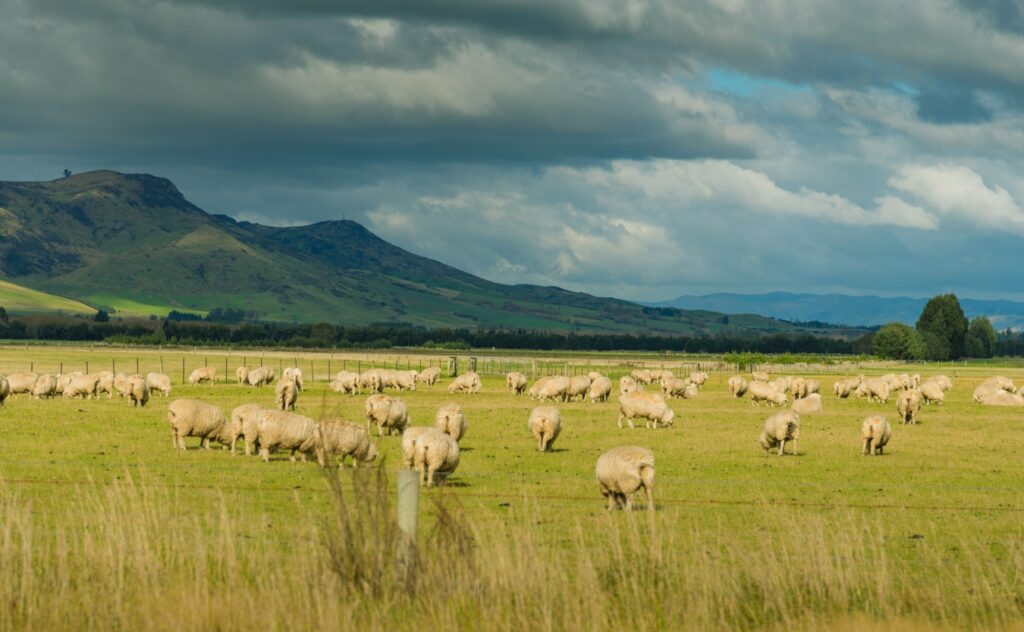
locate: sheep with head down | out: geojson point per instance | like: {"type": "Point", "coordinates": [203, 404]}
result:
{"type": "Point", "coordinates": [875, 431]}
{"type": "Point", "coordinates": [242, 375]}
{"type": "Point", "coordinates": [622, 472]}
{"type": "Point", "coordinates": [343, 439]}
{"type": "Point", "coordinates": [778, 429]}
{"type": "Point", "coordinates": [286, 393]}
{"type": "Point", "coordinates": [203, 375]}
{"type": "Point", "coordinates": [279, 429]}
{"type": "Point", "coordinates": [551, 387]}
{"type": "Point", "coordinates": [642, 376]}
{"type": "Point", "coordinates": [649, 406]}
{"type": "Point", "coordinates": [600, 389]}
{"type": "Point", "coordinates": [345, 382]}
{"type": "Point", "coordinates": [629, 385]}
{"type": "Point", "coordinates": [932, 392]}
{"type": "Point", "coordinates": [699, 378]}
{"type": "Point", "coordinates": [468, 382]}
{"type": "Point", "coordinates": [260, 376]}
{"type": "Point", "coordinates": [138, 392]}
{"type": "Point", "coordinates": [122, 384]}
{"type": "Point", "coordinates": [159, 382]}
{"type": "Point", "coordinates": [83, 386]}
{"type": "Point", "coordinates": [545, 424]}
{"type": "Point", "coordinates": [294, 374]}
{"type": "Point", "coordinates": [759, 376]}
{"type": "Point", "coordinates": [436, 455]}
{"type": "Point", "coordinates": [578, 387]}
{"type": "Point", "coordinates": [45, 386]}
{"type": "Point", "coordinates": [810, 405]}
{"type": "Point", "coordinates": [515, 382]}
{"type": "Point", "coordinates": [675, 387]}
{"type": "Point", "coordinates": [738, 386]}
{"type": "Point", "coordinates": [192, 418]}
{"type": "Point", "coordinates": [429, 375]}
{"type": "Point", "coordinates": [245, 423]}
{"type": "Point", "coordinates": [763, 392]}
{"type": "Point", "coordinates": [23, 383]}
{"type": "Point", "coordinates": [908, 405]}
{"type": "Point", "coordinates": [451, 420]}
{"type": "Point", "coordinates": [386, 412]}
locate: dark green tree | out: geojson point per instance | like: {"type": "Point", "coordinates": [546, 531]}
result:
{"type": "Point", "coordinates": [944, 319]}
{"type": "Point", "coordinates": [4, 318]}
{"type": "Point", "coordinates": [897, 341]}
{"type": "Point", "coordinates": [101, 316]}
{"type": "Point", "coordinates": [981, 339]}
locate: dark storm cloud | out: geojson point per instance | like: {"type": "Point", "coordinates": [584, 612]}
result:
{"type": "Point", "coordinates": [617, 147]}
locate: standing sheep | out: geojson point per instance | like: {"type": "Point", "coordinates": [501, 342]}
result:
{"type": "Point", "coordinates": [159, 382]}
{"type": "Point", "coordinates": [451, 420]}
{"type": "Point", "coordinates": [780, 428]}
{"type": "Point", "coordinates": [105, 384]}
{"type": "Point", "coordinates": [260, 376]}
{"type": "Point", "coordinates": [345, 439]}
{"type": "Point", "coordinates": [191, 418]}
{"type": "Point", "coordinates": [345, 382]}
{"type": "Point", "coordinates": [436, 456]}
{"type": "Point", "coordinates": [203, 375]}
{"type": "Point", "coordinates": [600, 389]}
{"type": "Point", "coordinates": [545, 424]}
{"type": "Point", "coordinates": [628, 385]}
{"type": "Point", "coordinates": [288, 431]}
{"type": "Point", "coordinates": [908, 405]}
{"type": "Point", "coordinates": [759, 376]}
{"type": "Point", "coordinates": [649, 406]}
{"type": "Point", "coordinates": [622, 471]}
{"type": "Point", "coordinates": [675, 387]}
{"type": "Point", "coordinates": [578, 387]}
{"type": "Point", "coordinates": [642, 376]}
{"type": "Point", "coordinates": [798, 387]}
{"type": "Point", "coordinates": [875, 431]}
{"type": "Point", "coordinates": [245, 423]}
{"type": "Point", "coordinates": [409, 436]}
{"type": "Point", "coordinates": [932, 392]}
{"type": "Point", "coordinates": [286, 393]}
{"type": "Point", "coordinates": [810, 405]}
{"type": "Point", "coordinates": [515, 382]}
{"type": "Point", "coordinates": [5, 389]}
{"type": "Point", "coordinates": [553, 387]}
{"type": "Point", "coordinates": [64, 379]}
{"type": "Point", "coordinates": [698, 378]}
{"type": "Point", "coordinates": [468, 382]}
{"type": "Point", "coordinates": [388, 412]}
{"type": "Point", "coordinates": [122, 384]}
{"type": "Point", "coordinates": [83, 386]}
{"type": "Point", "coordinates": [294, 374]}
{"type": "Point", "coordinates": [22, 382]}
{"type": "Point", "coordinates": [429, 375]}
{"type": "Point", "coordinates": [738, 386]}
{"type": "Point", "coordinates": [138, 393]}
{"type": "Point", "coordinates": [45, 386]}
{"type": "Point", "coordinates": [764, 392]}
{"type": "Point", "coordinates": [242, 375]}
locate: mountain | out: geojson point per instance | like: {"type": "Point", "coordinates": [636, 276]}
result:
{"type": "Point", "coordinates": [132, 244]}
{"type": "Point", "coordinates": [842, 308]}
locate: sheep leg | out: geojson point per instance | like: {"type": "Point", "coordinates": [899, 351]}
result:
{"type": "Point", "coordinates": [291, 457]}
{"type": "Point", "coordinates": [431, 471]}
{"type": "Point", "coordinates": [610, 498]}
{"type": "Point", "coordinates": [650, 497]}
{"type": "Point", "coordinates": [629, 501]}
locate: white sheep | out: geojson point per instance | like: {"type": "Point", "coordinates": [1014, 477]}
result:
{"type": "Point", "coordinates": [468, 382]}
{"type": "Point", "coordinates": [294, 374]}
{"type": "Point", "coordinates": [286, 393]}
{"type": "Point", "coordinates": [553, 387]}
{"type": "Point", "coordinates": [545, 424]}
{"type": "Point", "coordinates": [778, 429]}
{"type": "Point", "coordinates": [875, 431]}
{"type": "Point", "coordinates": [203, 375]}
{"type": "Point", "coordinates": [409, 436]}
{"type": "Point", "coordinates": [5, 389]}
{"type": "Point", "coordinates": [515, 382]}
{"type": "Point", "coordinates": [908, 405]}
{"type": "Point", "coordinates": [288, 431]}
{"type": "Point", "coordinates": [338, 438]}
{"type": "Point", "coordinates": [64, 379]}
{"type": "Point", "coordinates": [242, 375]}
{"type": "Point", "coordinates": [345, 382]}
{"type": "Point", "coordinates": [932, 392]}
{"type": "Point", "coordinates": [122, 384]}
{"type": "Point", "coordinates": [810, 405]}
{"type": "Point", "coordinates": [159, 382]}
{"type": "Point", "coordinates": [45, 386]}
{"type": "Point", "coordinates": [429, 375]}
{"type": "Point", "coordinates": [698, 378]}
{"type": "Point", "coordinates": [138, 392]}
{"type": "Point", "coordinates": [260, 376]}
{"type": "Point", "coordinates": [738, 386]}
{"type": "Point", "coordinates": [764, 392]}
{"type": "Point", "coordinates": [436, 456]}
{"type": "Point", "coordinates": [105, 383]}
{"type": "Point", "coordinates": [387, 412]}
{"type": "Point", "coordinates": [451, 420]}
{"type": "Point", "coordinates": [192, 418]}
{"type": "Point", "coordinates": [623, 471]}
{"type": "Point", "coordinates": [578, 387]}
{"type": "Point", "coordinates": [642, 376]}
{"type": "Point", "coordinates": [83, 386]}
{"type": "Point", "coordinates": [245, 423]}
{"type": "Point", "coordinates": [1002, 398]}
{"type": "Point", "coordinates": [759, 376]}
{"type": "Point", "coordinates": [675, 387]}
{"type": "Point", "coordinates": [22, 383]}
{"type": "Point", "coordinates": [629, 385]}
{"type": "Point", "coordinates": [649, 406]}
{"type": "Point", "coordinates": [600, 389]}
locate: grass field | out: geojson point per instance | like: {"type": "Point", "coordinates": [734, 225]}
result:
{"type": "Point", "coordinates": [104, 526]}
{"type": "Point", "coordinates": [17, 299]}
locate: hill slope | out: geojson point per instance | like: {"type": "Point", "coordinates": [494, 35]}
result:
{"type": "Point", "coordinates": [134, 242]}
{"type": "Point", "coordinates": [842, 308]}
{"type": "Point", "coordinates": [18, 300]}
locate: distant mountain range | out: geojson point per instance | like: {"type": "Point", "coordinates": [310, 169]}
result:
{"type": "Point", "coordinates": [844, 309]}
{"type": "Point", "coordinates": [133, 245]}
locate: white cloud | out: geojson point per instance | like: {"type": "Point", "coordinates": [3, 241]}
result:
{"type": "Point", "coordinates": [961, 193]}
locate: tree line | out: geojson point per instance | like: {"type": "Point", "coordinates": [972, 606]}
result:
{"type": "Point", "coordinates": [942, 333]}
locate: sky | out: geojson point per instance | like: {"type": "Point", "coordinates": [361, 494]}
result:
{"type": "Point", "coordinates": [633, 148]}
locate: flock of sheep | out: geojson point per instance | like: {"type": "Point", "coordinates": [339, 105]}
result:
{"type": "Point", "coordinates": [434, 451]}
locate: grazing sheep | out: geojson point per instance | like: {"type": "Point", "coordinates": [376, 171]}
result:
{"type": "Point", "coordinates": [875, 389]}
{"type": "Point", "coordinates": [294, 374]}
{"type": "Point", "coordinates": [675, 387]}
{"type": "Point", "coordinates": [203, 375]}
{"type": "Point", "coordinates": [245, 423]}
{"type": "Point", "coordinates": [545, 424]}
{"type": "Point", "coordinates": [105, 384]}
{"type": "Point", "coordinates": [286, 393]}
{"type": "Point", "coordinates": [1004, 383]}
{"type": "Point", "coordinates": [629, 385]}
{"type": "Point", "coordinates": [370, 380]}
{"type": "Point", "coordinates": [798, 387]}
{"type": "Point", "coordinates": [812, 386]}
{"type": "Point", "coordinates": [409, 437]}
{"type": "Point", "coordinates": [429, 375]}
{"type": "Point", "coordinates": [649, 406]}
{"type": "Point", "coordinates": [875, 431]}
{"type": "Point", "coordinates": [345, 382]}
{"type": "Point", "coordinates": [932, 392]}
{"type": "Point", "coordinates": [260, 376]}
{"type": "Point", "coordinates": [386, 412]}
{"type": "Point", "coordinates": [83, 386]}
{"type": "Point", "coordinates": [810, 405]}
{"type": "Point", "coordinates": [288, 431]}
{"type": "Point", "coordinates": [242, 375]}
{"type": "Point", "coordinates": [622, 471]}
{"type": "Point", "coordinates": [404, 380]}
{"type": "Point", "coordinates": [159, 382]}
{"type": "Point", "coordinates": [759, 376]}
{"type": "Point", "coordinates": [764, 392]}
{"type": "Point", "coordinates": [22, 383]}
{"type": "Point", "coordinates": [63, 379]}
{"type": "Point", "coordinates": [468, 382]}
{"type": "Point", "coordinates": [5, 389]}
{"type": "Point", "coordinates": [138, 392]}
{"type": "Point", "coordinates": [451, 420]}
{"type": "Point", "coordinates": [699, 378]}
{"type": "Point", "coordinates": [515, 382]}
{"type": "Point", "coordinates": [942, 381]}
{"type": "Point", "coordinates": [339, 438]}
{"type": "Point", "coordinates": [593, 375]}
{"type": "Point", "coordinates": [600, 389]}
{"type": "Point", "coordinates": [436, 456]}
{"type": "Point", "coordinates": [642, 376]}
{"type": "Point", "coordinates": [691, 391]}
{"type": "Point", "coordinates": [578, 387]}
{"type": "Point", "coordinates": [782, 384]}
{"type": "Point", "coordinates": [45, 386]}
{"type": "Point", "coordinates": [553, 387]}
{"type": "Point", "coordinates": [908, 405]}
{"type": "Point", "coordinates": [738, 386]}
{"type": "Point", "coordinates": [191, 418]}
{"type": "Point", "coordinates": [1002, 398]}
{"type": "Point", "coordinates": [122, 384]}
{"type": "Point", "coordinates": [780, 428]}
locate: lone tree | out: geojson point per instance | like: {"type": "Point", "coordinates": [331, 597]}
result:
{"type": "Point", "coordinates": [4, 318]}
{"type": "Point", "coordinates": [943, 326]}
{"type": "Point", "coordinates": [67, 173]}
{"type": "Point", "coordinates": [897, 341]}
{"type": "Point", "coordinates": [101, 316]}
{"type": "Point", "coordinates": [981, 339]}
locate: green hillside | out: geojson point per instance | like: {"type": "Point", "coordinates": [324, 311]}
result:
{"type": "Point", "coordinates": [22, 300]}
{"type": "Point", "coordinates": [134, 244]}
